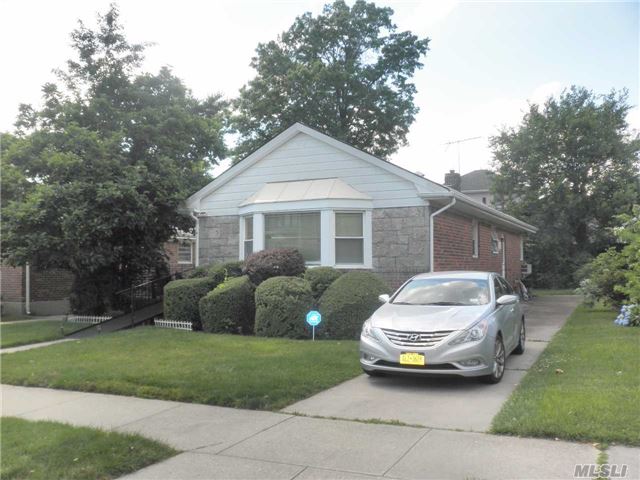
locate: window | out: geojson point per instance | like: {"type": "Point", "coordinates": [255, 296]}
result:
{"type": "Point", "coordinates": [475, 238]}
{"type": "Point", "coordinates": [495, 243]}
{"type": "Point", "coordinates": [248, 236]}
{"type": "Point", "coordinates": [349, 238]}
{"type": "Point", "coordinates": [498, 287]}
{"type": "Point", "coordinates": [294, 230]}
{"type": "Point", "coordinates": [185, 252]}
{"type": "Point", "coordinates": [506, 286]}
{"type": "Point", "coordinates": [444, 291]}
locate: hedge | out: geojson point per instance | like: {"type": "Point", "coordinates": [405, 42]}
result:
{"type": "Point", "coordinates": [181, 299]}
{"type": "Point", "coordinates": [218, 270]}
{"type": "Point", "coordinates": [320, 278]}
{"type": "Point", "coordinates": [347, 303]}
{"type": "Point", "coordinates": [229, 308]}
{"type": "Point", "coordinates": [274, 263]}
{"type": "Point", "coordinates": [281, 306]}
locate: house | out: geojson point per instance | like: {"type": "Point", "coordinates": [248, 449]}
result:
{"type": "Point", "coordinates": [342, 207]}
{"type": "Point", "coordinates": [475, 184]}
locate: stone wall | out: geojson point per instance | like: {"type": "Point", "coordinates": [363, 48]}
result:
{"type": "Point", "coordinates": [219, 239]}
{"type": "Point", "coordinates": [400, 243]}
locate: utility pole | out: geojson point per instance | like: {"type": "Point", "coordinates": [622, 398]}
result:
{"type": "Point", "coordinates": [458, 142]}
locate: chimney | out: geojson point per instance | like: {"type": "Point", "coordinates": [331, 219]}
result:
{"type": "Point", "coordinates": [453, 180]}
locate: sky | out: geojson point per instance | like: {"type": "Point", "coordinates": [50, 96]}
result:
{"type": "Point", "coordinates": [486, 61]}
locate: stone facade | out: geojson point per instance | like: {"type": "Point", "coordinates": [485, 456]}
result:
{"type": "Point", "coordinates": [400, 243]}
{"type": "Point", "coordinates": [219, 239]}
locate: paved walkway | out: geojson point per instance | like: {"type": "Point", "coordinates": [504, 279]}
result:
{"type": "Point", "coordinates": [451, 403]}
{"type": "Point", "coordinates": [229, 443]}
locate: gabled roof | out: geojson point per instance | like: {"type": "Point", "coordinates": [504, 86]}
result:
{"type": "Point", "coordinates": [478, 180]}
{"type": "Point", "coordinates": [325, 188]}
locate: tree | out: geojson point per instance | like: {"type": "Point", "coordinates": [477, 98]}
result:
{"type": "Point", "coordinates": [99, 173]}
{"type": "Point", "coordinates": [346, 72]}
{"type": "Point", "coordinates": [569, 168]}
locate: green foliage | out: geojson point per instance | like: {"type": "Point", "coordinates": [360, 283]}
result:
{"type": "Point", "coordinates": [94, 180]}
{"type": "Point", "coordinates": [320, 278]}
{"type": "Point", "coordinates": [274, 263]}
{"type": "Point", "coordinates": [181, 298]}
{"type": "Point", "coordinates": [281, 306]}
{"type": "Point", "coordinates": [569, 168]}
{"type": "Point", "coordinates": [42, 450]}
{"type": "Point", "coordinates": [229, 308]}
{"type": "Point", "coordinates": [227, 269]}
{"type": "Point", "coordinates": [346, 72]}
{"type": "Point", "coordinates": [629, 234]}
{"type": "Point", "coordinates": [348, 302]}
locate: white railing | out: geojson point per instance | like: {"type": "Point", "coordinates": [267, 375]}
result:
{"type": "Point", "coordinates": [163, 323]}
{"type": "Point", "coordinates": [91, 319]}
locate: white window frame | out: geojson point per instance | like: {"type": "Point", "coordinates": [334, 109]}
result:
{"type": "Point", "coordinates": [336, 238]}
{"type": "Point", "coordinates": [495, 242]}
{"type": "Point", "coordinates": [475, 238]}
{"type": "Point", "coordinates": [181, 243]}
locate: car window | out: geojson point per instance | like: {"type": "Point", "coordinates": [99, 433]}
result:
{"type": "Point", "coordinates": [444, 291]}
{"type": "Point", "coordinates": [499, 289]}
{"type": "Point", "coordinates": [506, 286]}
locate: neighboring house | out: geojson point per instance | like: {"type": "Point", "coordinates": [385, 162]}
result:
{"type": "Point", "coordinates": [476, 185]}
{"type": "Point", "coordinates": [46, 292]}
{"type": "Point", "coordinates": [344, 208]}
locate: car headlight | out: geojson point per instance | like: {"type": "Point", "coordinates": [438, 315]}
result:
{"type": "Point", "coordinates": [473, 334]}
{"type": "Point", "coordinates": [367, 330]}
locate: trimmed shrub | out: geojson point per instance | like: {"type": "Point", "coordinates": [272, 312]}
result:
{"type": "Point", "coordinates": [229, 308]}
{"type": "Point", "coordinates": [281, 306]}
{"type": "Point", "coordinates": [218, 270]}
{"type": "Point", "coordinates": [348, 302]}
{"type": "Point", "coordinates": [181, 299]}
{"type": "Point", "coordinates": [320, 278]}
{"type": "Point", "coordinates": [274, 263]}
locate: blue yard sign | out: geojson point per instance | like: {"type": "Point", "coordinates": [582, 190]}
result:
{"type": "Point", "coordinates": [313, 318]}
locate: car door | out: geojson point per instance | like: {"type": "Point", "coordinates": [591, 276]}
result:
{"type": "Point", "coordinates": [512, 315]}
{"type": "Point", "coordinates": [501, 312]}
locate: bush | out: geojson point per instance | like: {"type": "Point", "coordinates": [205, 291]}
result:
{"type": "Point", "coordinates": [281, 307]}
{"type": "Point", "coordinates": [320, 278]}
{"type": "Point", "coordinates": [181, 299]}
{"type": "Point", "coordinates": [348, 302]}
{"type": "Point", "coordinates": [229, 308]}
{"type": "Point", "coordinates": [603, 277]}
{"type": "Point", "coordinates": [218, 270]}
{"type": "Point", "coordinates": [274, 263]}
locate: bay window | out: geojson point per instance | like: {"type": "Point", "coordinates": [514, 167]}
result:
{"type": "Point", "coordinates": [349, 238]}
{"type": "Point", "coordinates": [294, 230]}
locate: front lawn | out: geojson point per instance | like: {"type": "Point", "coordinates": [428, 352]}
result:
{"type": "Point", "coordinates": [585, 386]}
{"type": "Point", "coordinates": [44, 450]}
{"type": "Point", "coordinates": [230, 370]}
{"type": "Point", "coordinates": [23, 333]}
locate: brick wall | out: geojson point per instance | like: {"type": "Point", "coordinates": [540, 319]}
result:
{"type": "Point", "coordinates": [171, 250]}
{"type": "Point", "coordinates": [219, 239]}
{"type": "Point", "coordinates": [12, 283]}
{"type": "Point", "coordinates": [453, 247]}
{"type": "Point", "coordinates": [50, 284]}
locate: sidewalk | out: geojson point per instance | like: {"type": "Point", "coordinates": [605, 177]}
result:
{"type": "Point", "coordinates": [227, 443]}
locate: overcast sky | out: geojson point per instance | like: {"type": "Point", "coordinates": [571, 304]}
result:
{"type": "Point", "coordinates": [486, 60]}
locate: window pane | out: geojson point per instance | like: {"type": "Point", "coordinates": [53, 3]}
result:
{"type": "Point", "coordinates": [248, 228]}
{"type": "Point", "coordinates": [348, 224]}
{"type": "Point", "coordinates": [294, 230]}
{"type": "Point", "coordinates": [184, 252]}
{"type": "Point", "coordinates": [248, 248]}
{"type": "Point", "coordinates": [349, 251]}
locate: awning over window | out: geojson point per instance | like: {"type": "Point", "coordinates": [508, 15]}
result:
{"type": "Point", "coordinates": [322, 189]}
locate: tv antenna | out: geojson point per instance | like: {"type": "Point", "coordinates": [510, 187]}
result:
{"type": "Point", "coordinates": [458, 142]}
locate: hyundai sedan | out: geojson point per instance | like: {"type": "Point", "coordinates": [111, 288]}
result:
{"type": "Point", "coordinates": [445, 323]}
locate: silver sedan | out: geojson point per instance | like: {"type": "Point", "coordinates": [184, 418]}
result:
{"type": "Point", "coordinates": [445, 323]}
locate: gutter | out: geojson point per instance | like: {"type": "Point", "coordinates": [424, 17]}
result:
{"type": "Point", "coordinates": [431, 217]}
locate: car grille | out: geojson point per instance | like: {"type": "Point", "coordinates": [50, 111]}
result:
{"type": "Point", "coordinates": [428, 366]}
{"type": "Point", "coordinates": [416, 339]}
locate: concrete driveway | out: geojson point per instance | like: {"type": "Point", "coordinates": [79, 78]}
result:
{"type": "Point", "coordinates": [446, 403]}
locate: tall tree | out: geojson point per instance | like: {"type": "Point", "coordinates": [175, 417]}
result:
{"type": "Point", "coordinates": [346, 72]}
{"type": "Point", "coordinates": [569, 168]}
{"type": "Point", "coordinates": [99, 173]}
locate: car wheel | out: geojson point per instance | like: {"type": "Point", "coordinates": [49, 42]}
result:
{"type": "Point", "coordinates": [499, 357]}
{"type": "Point", "coordinates": [373, 373]}
{"type": "Point", "coordinates": [519, 350]}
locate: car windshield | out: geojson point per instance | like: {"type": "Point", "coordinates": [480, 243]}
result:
{"type": "Point", "coordinates": [444, 291]}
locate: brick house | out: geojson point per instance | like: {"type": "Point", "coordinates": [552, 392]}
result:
{"type": "Point", "coordinates": [342, 207]}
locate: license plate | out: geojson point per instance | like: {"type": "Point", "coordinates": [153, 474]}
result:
{"type": "Point", "coordinates": [410, 358]}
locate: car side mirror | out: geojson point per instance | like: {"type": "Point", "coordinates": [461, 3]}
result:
{"type": "Point", "coordinates": [507, 300]}
{"type": "Point", "coordinates": [384, 298]}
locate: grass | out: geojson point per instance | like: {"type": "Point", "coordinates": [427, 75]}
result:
{"type": "Point", "coordinates": [546, 292]}
{"type": "Point", "coordinates": [13, 317]}
{"type": "Point", "coordinates": [24, 333]}
{"type": "Point", "coordinates": [584, 387]}
{"type": "Point", "coordinates": [44, 450]}
{"type": "Point", "coordinates": [229, 370]}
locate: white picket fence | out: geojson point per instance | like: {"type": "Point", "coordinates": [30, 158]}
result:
{"type": "Point", "coordinates": [164, 323]}
{"type": "Point", "coordinates": [91, 319]}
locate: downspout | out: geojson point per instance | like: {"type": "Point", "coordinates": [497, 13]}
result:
{"type": "Point", "coordinates": [431, 217]}
{"type": "Point", "coordinates": [195, 217]}
{"type": "Point", "coordinates": [27, 288]}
